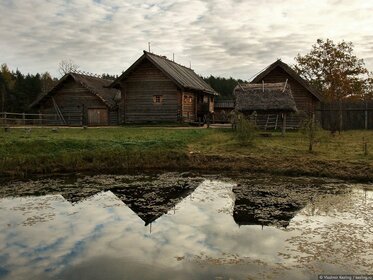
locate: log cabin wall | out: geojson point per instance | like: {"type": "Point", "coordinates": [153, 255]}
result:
{"type": "Point", "coordinates": [150, 96]}
{"type": "Point", "coordinates": [304, 100]}
{"type": "Point", "coordinates": [74, 101]}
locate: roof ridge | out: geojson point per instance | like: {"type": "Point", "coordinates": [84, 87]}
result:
{"type": "Point", "coordinates": [90, 76]}
{"type": "Point", "coordinates": [166, 58]}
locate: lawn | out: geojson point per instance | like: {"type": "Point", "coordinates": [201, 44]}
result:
{"type": "Point", "coordinates": [120, 149]}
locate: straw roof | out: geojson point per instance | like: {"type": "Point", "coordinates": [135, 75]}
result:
{"type": "Point", "coordinates": [95, 85]}
{"type": "Point", "coordinates": [264, 97]}
{"type": "Point", "coordinates": [183, 76]}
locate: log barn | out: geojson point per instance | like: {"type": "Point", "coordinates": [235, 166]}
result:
{"type": "Point", "coordinates": [79, 99]}
{"type": "Point", "coordinates": [156, 89]}
{"type": "Point", "coordinates": [307, 98]}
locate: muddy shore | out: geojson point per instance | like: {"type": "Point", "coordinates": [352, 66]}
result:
{"type": "Point", "coordinates": [288, 166]}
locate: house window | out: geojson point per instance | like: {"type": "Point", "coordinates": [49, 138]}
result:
{"type": "Point", "coordinates": [188, 99]}
{"type": "Point", "coordinates": [157, 99]}
{"type": "Point", "coordinates": [211, 99]}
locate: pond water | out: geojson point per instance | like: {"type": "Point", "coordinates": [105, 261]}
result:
{"type": "Point", "coordinates": [183, 226]}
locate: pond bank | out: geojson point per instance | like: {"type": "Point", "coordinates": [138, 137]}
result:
{"type": "Point", "coordinates": [122, 163]}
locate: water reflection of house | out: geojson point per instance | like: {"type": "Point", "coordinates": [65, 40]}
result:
{"type": "Point", "coordinates": [149, 202]}
{"type": "Point", "coordinates": [75, 195]}
{"type": "Point", "coordinates": [268, 205]}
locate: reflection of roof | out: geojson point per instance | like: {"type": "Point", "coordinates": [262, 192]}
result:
{"type": "Point", "coordinates": [150, 203]}
{"type": "Point", "coordinates": [181, 75]}
{"type": "Point", "coordinates": [95, 85]}
{"type": "Point", "coordinates": [75, 195]}
{"type": "Point", "coordinates": [264, 97]}
{"type": "Point", "coordinates": [291, 73]}
{"type": "Point", "coordinates": [267, 206]}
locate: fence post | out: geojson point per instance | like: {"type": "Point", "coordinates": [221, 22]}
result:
{"type": "Point", "coordinates": [24, 118]}
{"type": "Point", "coordinates": [40, 119]}
{"type": "Point", "coordinates": [366, 115]}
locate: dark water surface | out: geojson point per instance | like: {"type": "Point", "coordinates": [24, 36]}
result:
{"type": "Point", "coordinates": [179, 226]}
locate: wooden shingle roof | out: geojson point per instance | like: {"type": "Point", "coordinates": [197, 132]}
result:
{"type": "Point", "coordinates": [183, 76]}
{"type": "Point", "coordinates": [261, 76]}
{"type": "Point", "coordinates": [95, 85]}
{"type": "Point", "coordinates": [264, 97]}
{"type": "Point", "coordinates": [227, 104]}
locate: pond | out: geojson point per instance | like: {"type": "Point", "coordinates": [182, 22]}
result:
{"type": "Point", "coordinates": [184, 226]}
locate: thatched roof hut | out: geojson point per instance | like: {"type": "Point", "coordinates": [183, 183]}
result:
{"type": "Point", "coordinates": [268, 98]}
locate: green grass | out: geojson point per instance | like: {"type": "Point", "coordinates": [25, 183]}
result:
{"type": "Point", "coordinates": [345, 146]}
{"type": "Point", "coordinates": [43, 151]}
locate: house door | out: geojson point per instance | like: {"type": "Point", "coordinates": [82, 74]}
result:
{"type": "Point", "coordinates": [97, 117]}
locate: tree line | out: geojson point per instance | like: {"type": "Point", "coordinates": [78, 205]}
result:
{"type": "Point", "coordinates": [330, 67]}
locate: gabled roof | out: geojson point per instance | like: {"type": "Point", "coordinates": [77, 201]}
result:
{"type": "Point", "coordinates": [95, 85]}
{"type": "Point", "coordinates": [264, 97]}
{"type": "Point", "coordinates": [261, 76]}
{"type": "Point", "coordinates": [184, 77]}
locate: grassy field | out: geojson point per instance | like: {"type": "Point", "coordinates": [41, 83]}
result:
{"type": "Point", "coordinates": [43, 151]}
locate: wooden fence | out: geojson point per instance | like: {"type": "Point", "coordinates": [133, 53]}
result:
{"type": "Point", "coordinates": [355, 115]}
{"type": "Point", "coordinates": [20, 119]}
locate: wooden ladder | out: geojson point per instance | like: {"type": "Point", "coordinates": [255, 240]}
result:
{"type": "Point", "coordinates": [272, 122]}
{"type": "Point", "coordinates": [58, 111]}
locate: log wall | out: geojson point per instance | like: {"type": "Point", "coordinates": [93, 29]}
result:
{"type": "Point", "coordinates": [139, 91]}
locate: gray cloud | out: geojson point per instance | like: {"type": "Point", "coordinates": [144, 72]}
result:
{"type": "Point", "coordinates": [228, 38]}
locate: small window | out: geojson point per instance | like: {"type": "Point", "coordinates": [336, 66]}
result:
{"type": "Point", "coordinates": [211, 99]}
{"type": "Point", "coordinates": [188, 99]}
{"type": "Point", "coordinates": [157, 99]}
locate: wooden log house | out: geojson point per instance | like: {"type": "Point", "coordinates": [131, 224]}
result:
{"type": "Point", "coordinates": [79, 99]}
{"type": "Point", "coordinates": [156, 89]}
{"type": "Point", "coordinates": [306, 97]}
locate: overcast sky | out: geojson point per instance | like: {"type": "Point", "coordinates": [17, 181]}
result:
{"type": "Point", "coordinates": [221, 37]}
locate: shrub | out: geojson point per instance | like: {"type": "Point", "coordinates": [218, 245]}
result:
{"type": "Point", "coordinates": [244, 130]}
{"type": "Point", "coordinates": [311, 129]}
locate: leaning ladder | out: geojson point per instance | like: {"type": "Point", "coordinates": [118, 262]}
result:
{"type": "Point", "coordinates": [59, 113]}
{"type": "Point", "coordinates": [272, 122]}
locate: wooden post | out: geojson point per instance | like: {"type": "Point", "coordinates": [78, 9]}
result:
{"type": "Point", "coordinates": [365, 147]}
{"type": "Point", "coordinates": [283, 124]}
{"type": "Point", "coordinates": [366, 115]}
{"type": "Point", "coordinates": [40, 119]}
{"type": "Point", "coordinates": [24, 118]}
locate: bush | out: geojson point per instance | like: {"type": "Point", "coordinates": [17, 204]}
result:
{"type": "Point", "coordinates": [244, 130]}
{"type": "Point", "coordinates": [311, 130]}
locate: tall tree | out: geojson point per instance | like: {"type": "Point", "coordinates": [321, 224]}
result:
{"type": "Point", "coordinates": [67, 66]}
{"type": "Point", "coordinates": [333, 69]}
{"type": "Point", "coordinates": [47, 82]}
{"type": "Point", "coordinates": [7, 83]}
